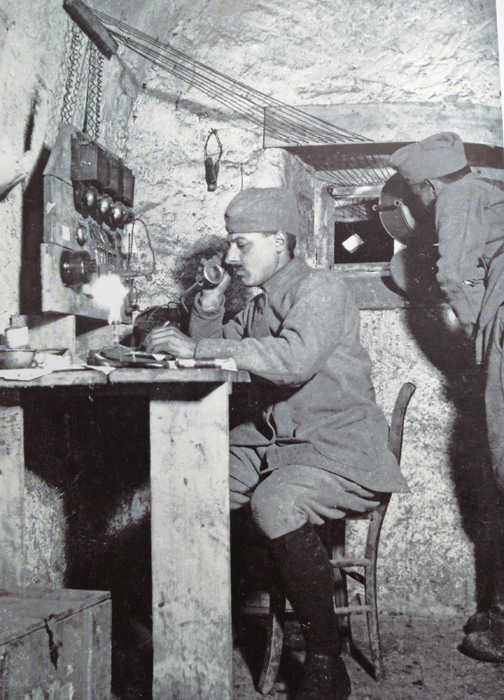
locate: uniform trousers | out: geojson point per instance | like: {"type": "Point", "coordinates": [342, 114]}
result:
{"type": "Point", "coordinates": [494, 404]}
{"type": "Point", "coordinates": [283, 500]}
{"type": "Point", "coordinates": [494, 396]}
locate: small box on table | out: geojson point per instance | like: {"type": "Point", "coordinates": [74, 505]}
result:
{"type": "Point", "coordinates": [55, 644]}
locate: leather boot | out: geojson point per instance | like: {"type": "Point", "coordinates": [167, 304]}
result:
{"type": "Point", "coordinates": [325, 678]}
{"type": "Point", "coordinates": [487, 644]}
{"type": "Point", "coordinates": [482, 621]}
{"type": "Point", "coordinates": [307, 576]}
{"type": "Point", "coordinates": [478, 622]}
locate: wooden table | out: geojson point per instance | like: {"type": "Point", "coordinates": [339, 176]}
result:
{"type": "Point", "coordinates": [189, 433]}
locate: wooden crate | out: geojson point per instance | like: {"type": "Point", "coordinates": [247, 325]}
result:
{"type": "Point", "coordinates": [55, 644]}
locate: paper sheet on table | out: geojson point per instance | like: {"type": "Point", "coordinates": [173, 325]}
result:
{"type": "Point", "coordinates": [104, 369]}
{"type": "Point", "coordinates": [67, 363]}
{"type": "Point", "coordinates": [56, 362]}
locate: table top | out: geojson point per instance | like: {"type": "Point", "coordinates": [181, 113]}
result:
{"type": "Point", "coordinates": [88, 377]}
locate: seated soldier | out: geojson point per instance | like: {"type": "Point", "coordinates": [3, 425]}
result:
{"type": "Point", "coordinates": [315, 444]}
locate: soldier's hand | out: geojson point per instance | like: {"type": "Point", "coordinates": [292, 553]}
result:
{"type": "Point", "coordinates": [454, 323]}
{"type": "Point", "coordinates": [212, 297]}
{"type": "Point", "coordinates": [170, 340]}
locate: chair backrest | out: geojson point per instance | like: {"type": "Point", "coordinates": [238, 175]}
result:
{"type": "Point", "coordinates": [395, 445]}
{"type": "Point", "coordinates": [397, 420]}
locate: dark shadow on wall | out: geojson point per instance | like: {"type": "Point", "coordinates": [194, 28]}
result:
{"type": "Point", "coordinates": [32, 237]}
{"type": "Point", "coordinates": [95, 452]}
{"type": "Point", "coordinates": [451, 352]}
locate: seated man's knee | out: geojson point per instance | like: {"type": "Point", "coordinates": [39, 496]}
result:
{"type": "Point", "coordinates": [243, 475]}
{"type": "Point", "coordinates": [275, 510]}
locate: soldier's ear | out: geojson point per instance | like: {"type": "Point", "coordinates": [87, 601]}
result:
{"type": "Point", "coordinates": [432, 185]}
{"type": "Point", "coordinates": [281, 241]}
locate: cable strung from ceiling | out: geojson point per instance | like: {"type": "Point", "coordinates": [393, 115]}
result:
{"type": "Point", "coordinates": [362, 169]}
{"type": "Point", "coordinates": [288, 124]}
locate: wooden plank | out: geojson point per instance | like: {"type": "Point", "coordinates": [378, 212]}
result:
{"type": "Point", "coordinates": [322, 242]}
{"type": "Point", "coordinates": [100, 664]}
{"type": "Point", "coordinates": [190, 548]}
{"type": "Point", "coordinates": [91, 25]}
{"type": "Point", "coordinates": [12, 555]}
{"type": "Point", "coordinates": [139, 375]}
{"type": "Point", "coordinates": [64, 378]}
{"type": "Point", "coordinates": [90, 377]}
{"type": "Point", "coordinates": [23, 610]}
{"type": "Point", "coordinates": [64, 651]}
{"type": "Point", "coordinates": [371, 285]}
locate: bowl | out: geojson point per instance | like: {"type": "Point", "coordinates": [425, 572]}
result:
{"type": "Point", "coordinates": [16, 359]}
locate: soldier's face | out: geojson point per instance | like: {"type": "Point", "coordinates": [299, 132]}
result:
{"type": "Point", "coordinates": [254, 257]}
{"type": "Point", "coordinates": [425, 193]}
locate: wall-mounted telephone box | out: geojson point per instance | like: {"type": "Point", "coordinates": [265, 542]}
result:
{"type": "Point", "coordinates": [88, 195]}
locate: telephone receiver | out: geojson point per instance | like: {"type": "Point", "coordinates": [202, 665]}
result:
{"type": "Point", "coordinates": [211, 275]}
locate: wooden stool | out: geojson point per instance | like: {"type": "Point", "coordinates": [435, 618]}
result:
{"type": "Point", "coordinates": [333, 537]}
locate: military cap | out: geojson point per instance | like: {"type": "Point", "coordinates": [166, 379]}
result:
{"type": "Point", "coordinates": [258, 210]}
{"type": "Point", "coordinates": [435, 156]}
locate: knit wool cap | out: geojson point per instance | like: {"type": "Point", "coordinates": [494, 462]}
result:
{"type": "Point", "coordinates": [435, 156]}
{"type": "Point", "coordinates": [257, 210]}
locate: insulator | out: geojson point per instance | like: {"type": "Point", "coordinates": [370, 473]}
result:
{"type": "Point", "coordinates": [118, 212]}
{"type": "Point", "coordinates": [91, 196]}
{"type": "Point", "coordinates": [105, 204]}
{"type": "Point", "coordinates": [129, 215]}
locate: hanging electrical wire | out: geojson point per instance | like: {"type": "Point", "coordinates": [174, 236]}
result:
{"type": "Point", "coordinates": [94, 91]}
{"type": "Point", "coordinates": [358, 169]}
{"type": "Point", "coordinates": [73, 75]}
{"type": "Point", "coordinates": [289, 124]}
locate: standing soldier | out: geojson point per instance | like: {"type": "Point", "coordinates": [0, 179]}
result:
{"type": "Point", "coordinates": [469, 219]}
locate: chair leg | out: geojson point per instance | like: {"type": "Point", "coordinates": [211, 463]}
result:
{"type": "Point", "coordinates": [371, 554]}
{"type": "Point", "coordinates": [372, 623]}
{"type": "Point", "coordinates": [274, 641]}
{"type": "Point", "coordinates": [340, 584]}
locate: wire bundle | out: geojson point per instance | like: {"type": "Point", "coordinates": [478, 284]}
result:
{"type": "Point", "coordinates": [359, 169]}
{"type": "Point", "coordinates": [288, 124]}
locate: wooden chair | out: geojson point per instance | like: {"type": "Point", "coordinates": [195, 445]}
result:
{"type": "Point", "coordinates": [333, 536]}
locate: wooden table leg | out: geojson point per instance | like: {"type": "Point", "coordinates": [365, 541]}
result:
{"type": "Point", "coordinates": [190, 547]}
{"type": "Point", "coordinates": [12, 555]}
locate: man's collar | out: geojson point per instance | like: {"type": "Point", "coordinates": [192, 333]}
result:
{"type": "Point", "coordinates": [283, 275]}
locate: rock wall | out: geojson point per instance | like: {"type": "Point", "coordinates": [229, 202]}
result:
{"type": "Point", "coordinates": [309, 52]}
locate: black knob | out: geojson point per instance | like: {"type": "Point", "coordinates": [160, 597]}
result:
{"type": "Point", "coordinates": [76, 267]}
